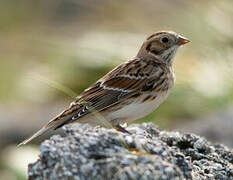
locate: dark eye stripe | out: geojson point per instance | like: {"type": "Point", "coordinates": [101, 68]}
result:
{"type": "Point", "coordinates": [148, 48]}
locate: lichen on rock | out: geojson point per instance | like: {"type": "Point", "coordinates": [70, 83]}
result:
{"type": "Point", "coordinates": [87, 153]}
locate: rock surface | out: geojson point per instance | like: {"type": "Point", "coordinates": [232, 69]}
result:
{"type": "Point", "coordinates": [88, 153]}
{"type": "Point", "coordinates": [216, 127]}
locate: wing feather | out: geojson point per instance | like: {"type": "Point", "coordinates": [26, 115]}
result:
{"type": "Point", "coordinates": [125, 81]}
{"type": "Point", "coordinates": [118, 85]}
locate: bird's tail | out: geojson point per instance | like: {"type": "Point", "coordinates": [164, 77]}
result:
{"type": "Point", "coordinates": [53, 124]}
{"type": "Point", "coordinates": [38, 133]}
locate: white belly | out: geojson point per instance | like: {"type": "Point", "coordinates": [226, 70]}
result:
{"type": "Point", "coordinates": [137, 110]}
{"type": "Point", "coordinates": [126, 114]}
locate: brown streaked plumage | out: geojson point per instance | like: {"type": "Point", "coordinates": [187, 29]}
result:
{"type": "Point", "coordinates": [128, 92]}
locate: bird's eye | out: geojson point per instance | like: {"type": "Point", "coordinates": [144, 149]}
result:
{"type": "Point", "coordinates": [164, 40]}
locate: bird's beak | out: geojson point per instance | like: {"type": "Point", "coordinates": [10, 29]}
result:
{"type": "Point", "coordinates": [182, 40]}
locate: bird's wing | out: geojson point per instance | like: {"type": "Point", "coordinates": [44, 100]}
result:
{"type": "Point", "coordinates": [126, 80]}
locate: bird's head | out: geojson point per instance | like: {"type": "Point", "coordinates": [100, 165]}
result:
{"type": "Point", "coordinates": [162, 46]}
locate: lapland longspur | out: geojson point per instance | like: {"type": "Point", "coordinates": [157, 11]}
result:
{"type": "Point", "coordinates": [130, 91]}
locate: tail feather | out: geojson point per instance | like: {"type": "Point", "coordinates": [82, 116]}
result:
{"type": "Point", "coordinates": [38, 133]}
{"type": "Point", "coordinates": [54, 124]}
{"type": "Point", "coordinates": [51, 125]}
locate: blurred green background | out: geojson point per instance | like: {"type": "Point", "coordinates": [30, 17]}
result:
{"type": "Point", "coordinates": [48, 46]}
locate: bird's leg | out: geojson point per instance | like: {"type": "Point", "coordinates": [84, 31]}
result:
{"type": "Point", "coordinates": [118, 127]}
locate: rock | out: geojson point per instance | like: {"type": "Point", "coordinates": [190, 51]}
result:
{"type": "Point", "coordinates": [216, 127]}
{"type": "Point", "coordinates": [88, 153]}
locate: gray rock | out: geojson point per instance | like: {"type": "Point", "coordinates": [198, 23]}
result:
{"type": "Point", "coordinates": [216, 127]}
{"type": "Point", "coordinates": [88, 153]}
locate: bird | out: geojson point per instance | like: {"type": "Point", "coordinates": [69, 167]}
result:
{"type": "Point", "coordinates": [130, 91]}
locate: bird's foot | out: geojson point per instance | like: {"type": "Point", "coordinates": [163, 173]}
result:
{"type": "Point", "coordinates": [121, 129]}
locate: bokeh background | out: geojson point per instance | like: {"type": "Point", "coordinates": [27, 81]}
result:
{"type": "Point", "coordinates": [52, 50]}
